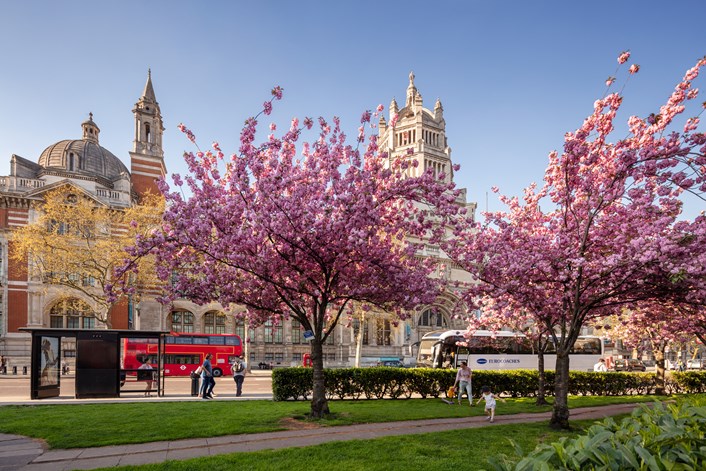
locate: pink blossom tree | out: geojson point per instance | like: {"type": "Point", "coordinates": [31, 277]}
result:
{"type": "Point", "coordinates": [653, 327]}
{"type": "Point", "coordinates": [301, 236]}
{"type": "Point", "coordinates": [603, 232]}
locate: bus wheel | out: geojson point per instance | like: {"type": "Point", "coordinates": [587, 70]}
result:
{"type": "Point", "coordinates": [217, 373]}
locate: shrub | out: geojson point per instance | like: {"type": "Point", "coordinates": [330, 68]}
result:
{"type": "Point", "coordinates": [658, 437]}
{"type": "Point", "coordinates": [376, 383]}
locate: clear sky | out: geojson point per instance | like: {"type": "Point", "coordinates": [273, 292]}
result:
{"type": "Point", "coordinates": [513, 76]}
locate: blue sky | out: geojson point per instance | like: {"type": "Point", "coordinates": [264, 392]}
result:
{"type": "Point", "coordinates": [513, 76]}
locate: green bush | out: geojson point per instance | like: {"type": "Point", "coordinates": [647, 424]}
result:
{"type": "Point", "coordinates": [691, 382]}
{"type": "Point", "coordinates": [659, 437]}
{"type": "Point", "coordinates": [380, 382]}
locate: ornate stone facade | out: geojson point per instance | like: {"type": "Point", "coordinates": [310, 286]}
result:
{"type": "Point", "coordinates": [85, 164]}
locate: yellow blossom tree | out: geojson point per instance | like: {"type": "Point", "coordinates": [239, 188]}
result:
{"type": "Point", "coordinates": [77, 241]}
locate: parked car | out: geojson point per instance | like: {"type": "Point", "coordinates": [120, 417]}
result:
{"type": "Point", "coordinates": [695, 364]}
{"type": "Point", "coordinates": [629, 364]}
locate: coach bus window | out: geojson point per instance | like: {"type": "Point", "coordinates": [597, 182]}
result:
{"type": "Point", "coordinates": [216, 341]}
{"type": "Point", "coordinates": [199, 340]}
{"type": "Point", "coordinates": [232, 341]}
{"type": "Point", "coordinates": [587, 346]}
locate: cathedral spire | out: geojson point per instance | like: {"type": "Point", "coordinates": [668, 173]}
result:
{"type": "Point", "coordinates": [148, 92]}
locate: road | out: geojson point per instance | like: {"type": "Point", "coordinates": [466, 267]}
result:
{"type": "Point", "coordinates": [258, 385]}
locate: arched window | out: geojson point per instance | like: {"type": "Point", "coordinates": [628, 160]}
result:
{"type": "Point", "coordinates": [214, 323]}
{"type": "Point", "coordinates": [148, 135]}
{"type": "Point", "coordinates": [181, 321]}
{"type": "Point", "coordinates": [430, 318]}
{"type": "Point", "coordinates": [71, 313]}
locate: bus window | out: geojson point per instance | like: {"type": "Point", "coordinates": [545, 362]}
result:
{"type": "Point", "coordinates": [216, 340]}
{"type": "Point", "coordinates": [587, 346]}
{"type": "Point", "coordinates": [232, 341]}
{"type": "Point", "coordinates": [199, 340]}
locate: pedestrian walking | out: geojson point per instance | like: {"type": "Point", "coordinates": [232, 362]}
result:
{"type": "Point", "coordinates": [463, 380]}
{"type": "Point", "coordinates": [600, 366]}
{"type": "Point", "coordinates": [239, 369]}
{"type": "Point", "coordinates": [208, 383]}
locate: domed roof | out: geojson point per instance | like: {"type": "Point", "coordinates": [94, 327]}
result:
{"type": "Point", "coordinates": [84, 156]}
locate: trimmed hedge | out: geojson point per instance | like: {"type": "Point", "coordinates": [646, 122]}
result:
{"type": "Point", "coordinates": [380, 382]}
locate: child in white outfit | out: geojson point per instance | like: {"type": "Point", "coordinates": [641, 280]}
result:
{"type": "Point", "coordinates": [489, 399]}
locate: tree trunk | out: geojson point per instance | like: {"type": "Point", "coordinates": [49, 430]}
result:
{"type": "Point", "coordinates": [319, 404]}
{"type": "Point", "coordinates": [660, 371]}
{"type": "Point", "coordinates": [541, 380]}
{"type": "Point", "coordinates": [560, 413]}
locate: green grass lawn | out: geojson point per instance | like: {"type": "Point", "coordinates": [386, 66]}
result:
{"type": "Point", "coordinates": [463, 449]}
{"type": "Point", "coordinates": [91, 425]}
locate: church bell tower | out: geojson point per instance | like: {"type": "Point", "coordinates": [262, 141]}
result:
{"type": "Point", "coordinates": [147, 156]}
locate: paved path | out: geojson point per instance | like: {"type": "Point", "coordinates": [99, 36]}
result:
{"type": "Point", "coordinates": [27, 454]}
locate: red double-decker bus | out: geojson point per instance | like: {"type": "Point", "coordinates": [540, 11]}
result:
{"type": "Point", "coordinates": [183, 352]}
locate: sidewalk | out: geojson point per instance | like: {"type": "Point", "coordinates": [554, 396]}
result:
{"type": "Point", "coordinates": [27, 454]}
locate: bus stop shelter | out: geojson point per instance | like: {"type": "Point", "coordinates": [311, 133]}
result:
{"type": "Point", "coordinates": [99, 366]}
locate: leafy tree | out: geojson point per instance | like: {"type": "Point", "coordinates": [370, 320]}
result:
{"type": "Point", "coordinates": [77, 242]}
{"type": "Point", "coordinates": [603, 232]}
{"type": "Point", "coordinates": [300, 237]}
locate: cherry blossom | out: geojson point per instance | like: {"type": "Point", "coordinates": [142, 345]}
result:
{"type": "Point", "coordinates": [604, 231]}
{"type": "Point", "coordinates": [301, 230]}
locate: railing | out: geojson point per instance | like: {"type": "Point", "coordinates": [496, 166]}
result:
{"type": "Point", "coordinates": [15, 183]}
{"type": "Point", "coordinates": [113, 195]}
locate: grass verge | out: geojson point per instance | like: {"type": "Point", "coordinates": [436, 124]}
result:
{"type": "Point", "coordinates": [92, 425]}
{"type": "Point", "coordinates": [466, 449]}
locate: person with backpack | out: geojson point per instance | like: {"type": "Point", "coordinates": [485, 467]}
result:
{"type": "Point", "coordinates": [239, 366]}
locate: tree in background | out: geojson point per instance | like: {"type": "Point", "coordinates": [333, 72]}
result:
{"type": "Point", "coordinates": [603, 233]}
{"type": "Point", "coordinates": [651, 326]}
{"type": "Point", "coordinates": [77, 242]}
{"type": "Point", "coordinates": [496, 315]}
{"type": "Point", "coordinates": [303, 236]}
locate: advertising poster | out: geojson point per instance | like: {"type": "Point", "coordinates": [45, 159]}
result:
{"type": "Point", "coordinates": [49, 362]}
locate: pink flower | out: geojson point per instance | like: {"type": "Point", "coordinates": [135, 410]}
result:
{"type": "Point", "coordinates": [623, 57]}
{"type": "Point", "coordinates": [188, 133]}
{"type": "Point", "coordinates": [267, 107]}
{"type": "Point", "coordinates": [277, 92]}
{"type": "Point", "coordinates": [609, 81]}
{"type": "Point", "coordinates": [634, 69]}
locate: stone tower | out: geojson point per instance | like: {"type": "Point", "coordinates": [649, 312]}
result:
{"type": "Point", "coordinates": [422, 130]}
{"type": "Point", "coordinates": [147, 156]}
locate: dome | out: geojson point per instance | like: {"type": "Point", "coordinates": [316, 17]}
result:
{"type": "Point", "coordinates": [89, 158]}
{"type": "Point", "coordinates": [83, 156]}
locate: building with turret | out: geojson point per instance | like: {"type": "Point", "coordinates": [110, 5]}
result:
{"type": "Point", "coordinates": [25, 301]}
{"type": "Point", "coordinates": [94, 172]}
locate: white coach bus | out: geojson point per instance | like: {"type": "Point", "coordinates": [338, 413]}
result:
{"type": "Point", "coordinates": [487, 350]}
